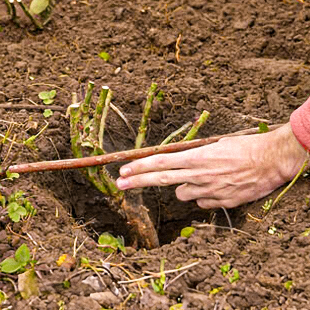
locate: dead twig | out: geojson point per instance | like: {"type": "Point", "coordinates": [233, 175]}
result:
{"type": "Point", "coordinates": [177, 47]}
{"type": "Point", "coordinates": [168, 283]}
{"type": "Point", "coordinates": [159, 274]}
{"type": "Point", "coordinates": [125, 155]}
{"type": "Point", "coordinates": [31, 107]}
{"type": "Point", "coordinates": [228, 218]}
{"type": "Point", "coordinates": [123, 117]}
{"type": "Point", "coordinates": [224, 227]}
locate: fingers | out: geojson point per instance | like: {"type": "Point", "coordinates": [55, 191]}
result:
{"type": "Point", "coordinates": [188, 191]}
{"type": "Point", "coordinates": [206, 203]}
{"type": "Point", "coordinates": [162, 178]}
{"type": "Point", "coordinates": [209, 196]}
{"type": "Point", "coordinates": [158, 163]}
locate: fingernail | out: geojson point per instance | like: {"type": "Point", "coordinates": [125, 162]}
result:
{"type": "Point", "coordinates": [125, 171]}
{"type": "Point", "coordinates": [122, 183]}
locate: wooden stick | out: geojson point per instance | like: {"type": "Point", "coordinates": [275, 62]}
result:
{"type": "Point", "coordinates": [125, 155]}
{"type": "Point", "coordinates": [32, 107]}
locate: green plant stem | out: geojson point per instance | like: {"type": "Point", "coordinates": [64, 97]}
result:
{"type": "Point", "coordinates": [99, 176]}
{"type": "Point", "coordinates": [176, 133]}
{"type": "Point", "coordinates": [9, 8]}
{"type": "Point", "coordinates": [104, 117]}
{"type": "Point", "coordinates": [290, 185]}
{"type": "Point", "coordinates": [76, 163]}
{"type": "Point", "coordinates": [110, 183]}
{"type": "Point", "coordinates": [99, 108]}
{"type": "Point", "coordinates": [144, 120]}
{"type": "Point", "coordinates": [29, 15]}
{"type": "Point", "coordinates": [86, 104]}
{"type": "Point", "coordinates": [197, 125]}
{"type": "Point", "coordinates": [75, 114]}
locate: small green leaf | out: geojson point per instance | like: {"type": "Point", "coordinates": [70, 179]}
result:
{"type": "Point", "coordinates": [288, 285]}
{"type": "Point", "coordinates": [263, 127]}
{"type": "Point", "coordinates": [84, 260]}
{"type": "Point", "coordinates": [3, 297]}
{"type": "Point", "coordinates": [66, 284]}
{"type": "Point", "coordinates": [16, 196]}
{"type": "Point", "coordinates": [16, 211]}
{"type": "Point", "coordinates": [176, 307]}
{"type": "Point", "coordinates": [225, 269]}
{"type": "Point", "coordinates": [120, 244]}
{"type": "Point", "coordinates": [22, 254]}
{"type": "Point", "coordinates": [216, 290]}
{"type": "Point", "coordinates": [48, 101]}
{"type": "Point", "coordinates": [29, 208]}
{"type": "Point", "coordinates": [2, 200]}
{"type": "Point", "coordinates": [108, 240]}
{"type": "Point", "coordinates": [38, 6]}
{"type": "Point", "coordinates": [12, 175]}
{"type": "Point", "coordinates": [160, 96]}
{"type": "Point", "coordinates": [157, 287]}
{"type": "Point", "coordinates": [48, 113]}
{"type": "Point", "coordinates": [235, 276]}
{"type": "Point", "coordinates": [267, 205]}
{"type": "Point", "coordinates": [44, 95]}
{"type": "Point", "coordinates": [306, 233]}
{"type": "Point", "coordinates": [187, 231]}
{"type": "Point", "coordinates": [52, 94]}
{"type": "Point", "coordinates": [272, 230]}
{"type": "Point", "coordinates": [207, 62]}
{"type": "Point", "coordinates": [10, 265]}
{"type": "Point", "coordinates": [105, 56]}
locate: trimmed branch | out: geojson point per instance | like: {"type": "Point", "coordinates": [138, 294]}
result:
{"type": "Point", "coordinates": [176, 133]}
{"type": "Point", "coordinates": [197, 125]}
{"type": "Point", "coordinates": [107, 101]}
{"type": "Point", "coordinates": [126, 155]}
{"type": "Point", "coordinates": [29, 15]}
{"type": "Point", "coordinates": [144, 120]}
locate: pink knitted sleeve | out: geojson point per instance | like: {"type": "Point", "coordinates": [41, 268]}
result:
{"type": "Point", "coordinates": [300, 123]}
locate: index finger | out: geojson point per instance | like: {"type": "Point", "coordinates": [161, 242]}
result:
{"type": "Point", "coordinates": [158, 162]}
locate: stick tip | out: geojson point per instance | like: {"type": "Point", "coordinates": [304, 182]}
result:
{"type": "Point", "coordinates": [105, 87]}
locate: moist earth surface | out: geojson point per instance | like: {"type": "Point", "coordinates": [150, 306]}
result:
{"type": "Point", "coordinates": [246, 62]}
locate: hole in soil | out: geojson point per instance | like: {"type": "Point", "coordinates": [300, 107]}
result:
{"type": "Point", "coordinates": [90, 207]}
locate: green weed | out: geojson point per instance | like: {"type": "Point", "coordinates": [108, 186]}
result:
{"type": "Point", "coordinates": [17, 264]}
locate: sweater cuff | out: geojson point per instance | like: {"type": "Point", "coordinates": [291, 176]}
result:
{"type": "Point", "coordinates": [300, 123]}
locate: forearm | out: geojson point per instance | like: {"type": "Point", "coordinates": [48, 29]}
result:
{"type": "Point", "coordinates": [300, 123]}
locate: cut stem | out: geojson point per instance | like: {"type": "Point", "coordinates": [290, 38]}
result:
{"type": "Point", "coordinates": [29, 15]}
{"type": "Point", "coordinates": [9, 8]}
{"type": "Point", "coordinates": [144, 120]}
{"type": "Point", "coordinates": [104, 117]}
{"type": "Point", "coordinates": [86, 104]}
{"type": "Point", "coordinates": [197, 125]}
{"type": "Point", "coordinates": [176, 133]}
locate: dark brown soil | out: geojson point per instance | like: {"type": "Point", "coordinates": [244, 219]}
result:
{"type": "Point", "coordinates": [240, 60]}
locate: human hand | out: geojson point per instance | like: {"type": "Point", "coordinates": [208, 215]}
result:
{"type": "Point", "coordinates": [227, 173]}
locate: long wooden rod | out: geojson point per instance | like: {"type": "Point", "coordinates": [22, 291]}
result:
{"type": "Point", "coordinates": [76, 163]}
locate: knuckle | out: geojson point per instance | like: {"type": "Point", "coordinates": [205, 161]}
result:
{"type": "Point", "coordinates": [163, 179]}
{"type": "Point", "coordinates": [161, 161]}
